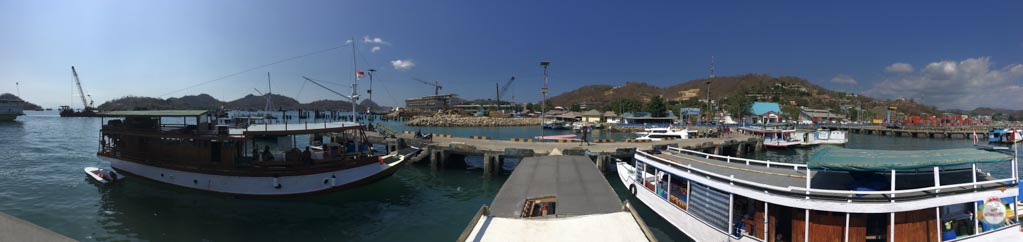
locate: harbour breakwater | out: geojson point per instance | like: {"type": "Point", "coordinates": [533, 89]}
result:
{"type": "Point", "coordinates": [469, 121]}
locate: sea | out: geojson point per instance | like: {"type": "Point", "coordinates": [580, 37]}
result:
{"type": "Point", "coordinates": [43, 156]}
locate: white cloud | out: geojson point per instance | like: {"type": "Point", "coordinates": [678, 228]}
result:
{"type": "Point", "coordinates": [366, 39]}
{"type": "Point", "coordinates": [901, 68]}
{"type": "Point", "coordinates": [403, 65]}
{"type": "Point", "coordinates": [844, 79]}
{"type": "Point", "coordinates": [965, 84]}
{"type": "Point", "coordinates": [348, 42]}
{"type": "Point", "coordinates": [374, 49]}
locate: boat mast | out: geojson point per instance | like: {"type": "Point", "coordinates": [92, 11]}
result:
{"type": "Point", "coordinates": [355, 83]}
{"type": "Point", "coordinates": [355, 92]}
{"type": "Point", "coordinates": [78, 84]}
{"type": "Point", "coordinates": [269, 95]}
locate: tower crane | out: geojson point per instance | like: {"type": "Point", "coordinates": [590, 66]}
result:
{"type": "Point", "coordinates": [435, 84]}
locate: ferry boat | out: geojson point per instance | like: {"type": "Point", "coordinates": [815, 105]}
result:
{"type": "Point", "coordinates": [774, 137]}
{"type": "Point", "coordinates": [11, 109]}
{"type": "Point", "coordinates": [839, 195]}
{"type": "Point", "coordinates": [661, 133]}
{"type": "Point", "coordinates": [187, 148]}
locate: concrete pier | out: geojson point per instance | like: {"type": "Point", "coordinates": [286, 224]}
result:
{"type": "Point", "coordinates": [15, 229]}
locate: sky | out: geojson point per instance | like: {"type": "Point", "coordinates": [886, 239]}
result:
{"type": "Point", "coordinates": [951, 54]}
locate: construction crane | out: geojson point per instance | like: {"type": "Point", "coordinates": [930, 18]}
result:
{"type": "Point", "coordinates": [81, 94]}
{"type": "Point", "coordinates": [503, 91]}
{"type": "Point", "coordinates": [435, 84]}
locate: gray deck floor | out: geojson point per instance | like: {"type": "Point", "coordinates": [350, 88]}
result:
{"type": "Point", "coordinates": [782, 177]}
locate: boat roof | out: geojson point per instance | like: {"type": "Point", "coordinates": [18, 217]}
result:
{"type": "Point", "coordinates": [573, 180]}
{"type": "Point", "coordinates": [296, 128]}
{"type": "Point", "coordinates": [833, 158]}
{"type": "Point", "coordinates": [155, 113]}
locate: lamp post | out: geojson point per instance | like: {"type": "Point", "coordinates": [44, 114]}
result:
{"type": "Point", "coordinates": [543, 107]}
{"type": "Point", "coordinates": [370, 90]}
{"type": "Point", "coordinates": [708, 115]}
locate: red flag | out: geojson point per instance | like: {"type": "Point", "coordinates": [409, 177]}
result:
{"type": "Point", "coordinates": [360, 73]}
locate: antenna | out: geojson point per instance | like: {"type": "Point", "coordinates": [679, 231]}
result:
{"type": "Point", "coordinates": [711, 67]}
{"type": "Point", "coordinates": [269, 94]}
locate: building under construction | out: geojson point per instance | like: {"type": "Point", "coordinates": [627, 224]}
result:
{"type": "Point", "coordinates": [430, 103]}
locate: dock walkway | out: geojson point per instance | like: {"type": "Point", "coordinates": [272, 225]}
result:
{"type": "Point", "coordinates": [15, 229]}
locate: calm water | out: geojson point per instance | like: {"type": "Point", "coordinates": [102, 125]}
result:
{"type": "Point", "coordinates": [43, 156]}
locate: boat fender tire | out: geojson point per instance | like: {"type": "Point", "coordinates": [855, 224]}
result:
{"type": "Point", "coordinates": [632, 189]}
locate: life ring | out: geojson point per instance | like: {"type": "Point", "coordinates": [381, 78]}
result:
{"type": "Point", "coordinates": [632, 189]}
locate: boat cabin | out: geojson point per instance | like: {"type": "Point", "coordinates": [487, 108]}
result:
{"type": "Point", "coordinates": [839, 195]}
{"type": "Point", "coordinates": [195, 140]}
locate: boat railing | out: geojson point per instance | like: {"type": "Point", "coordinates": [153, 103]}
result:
{"type": "Point", "coordinates": [730, 159]}
{"type": "Point", "coordinates": [830, 194]}
{"type": "Point", "coordinates": [484, 211]}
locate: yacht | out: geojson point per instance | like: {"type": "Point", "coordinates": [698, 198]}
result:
{"type": "Point", "coordinates": [188, 148]}
{"type": "Point", "coordinates": [838, 195]}
{"type": "Point", "coordinates": [661, 133]}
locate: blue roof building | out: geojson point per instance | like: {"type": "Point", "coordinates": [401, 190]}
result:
{"type": "Point", "coordinates": [766, 112]}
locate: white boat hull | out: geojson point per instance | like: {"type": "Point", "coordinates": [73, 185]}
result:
{"type": "Point", "coordinates": [258, 185]}
{"type": "Point", "coordinates": [685, 222]}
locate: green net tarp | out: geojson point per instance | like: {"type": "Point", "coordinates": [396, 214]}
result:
{"type": "Point", "coordinates": [832, 158]}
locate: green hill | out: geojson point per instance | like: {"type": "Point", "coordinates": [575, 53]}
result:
{"type": "Point", "coordinates": [735, 93]}
{"type": "Point", "coordinates": [27, 106]}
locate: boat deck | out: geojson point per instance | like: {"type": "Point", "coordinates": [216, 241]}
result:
{"type": "Point", "coordinates": [782, 177]}
{"type": "Point", "coordinates": [832, 180]}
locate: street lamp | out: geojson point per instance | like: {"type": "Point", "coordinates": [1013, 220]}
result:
{"type": "Point", "coordinates": [543, 108]}
{"type": "Point", "coordinates": [370, 90]}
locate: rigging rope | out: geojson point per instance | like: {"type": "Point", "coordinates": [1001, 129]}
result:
{"type": "Point", "coordinates": [255, 68]}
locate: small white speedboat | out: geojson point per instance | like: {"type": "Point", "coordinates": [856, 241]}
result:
{"type": "Point", "coordinates": [103, 175]}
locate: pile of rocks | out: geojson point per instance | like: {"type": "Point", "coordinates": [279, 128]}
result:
{"type": "Point", "coordinates": [469, 121]}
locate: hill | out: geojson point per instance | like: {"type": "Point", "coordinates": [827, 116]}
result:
{"type": "Point", "coordinates": [207, 102]}
{"type": "Point", "coordinates": [733, 93]}
{"type": "Point", "coordinates": [27, 106]}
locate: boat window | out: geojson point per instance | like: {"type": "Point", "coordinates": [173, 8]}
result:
{"type": "Point", "coordinates": [539, 207]}
{"type": "Point", "coordinates": [709, 204]}
{"type": "Point", "coordinates": [678, 191]}
{"type": "Point", "coordinates": [748, 217]}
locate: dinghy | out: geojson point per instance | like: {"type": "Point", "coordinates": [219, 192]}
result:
{"type": "Point", "coordinates": [103, 175]}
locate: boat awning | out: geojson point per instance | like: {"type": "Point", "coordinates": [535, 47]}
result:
{"type": "Point", "coordinates": [832, 158]}
{"type": "Point", "coordinates": [155, 113]}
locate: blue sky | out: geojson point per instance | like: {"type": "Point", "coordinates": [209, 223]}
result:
{"type": "Point", "coordinates": [949, 54]}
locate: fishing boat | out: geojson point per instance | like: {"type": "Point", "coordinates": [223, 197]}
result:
{"type": "Point", "coordinates": [774, 137]}
{"type": "Point", "coordinates": [87, 109]}
{"type": "Point", "coordinates": [995, 135]}
{"type": "Point", "coordinates": [187, 148]}
{"type": "Point", "coordinates": [10, 109]}
{"type": "Point", "coordinates": [556, 124]}
{"type": "Point", "coordinates": [1012, 136]}
{"type": "Point", "coordinates": [662, 133]}
{"type": "Point", "coordinates": [838, 195]}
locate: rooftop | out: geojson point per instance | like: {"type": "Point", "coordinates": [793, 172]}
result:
{"type": "Point", "coordinates": [761, 108]}
{"type": "Point", "coordinates": [155, 113]}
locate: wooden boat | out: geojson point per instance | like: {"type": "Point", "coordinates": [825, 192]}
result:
{"type": "Point", "coordinates": [103, 176]}
{"type": "Point", "coordinates": [260, 159]}
{"type": "Point", "coordinates": [839, 195]}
